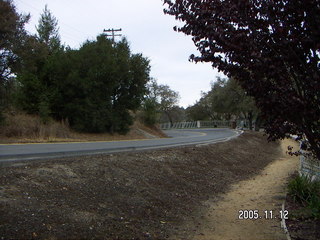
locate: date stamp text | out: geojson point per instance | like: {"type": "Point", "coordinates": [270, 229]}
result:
{"type": "Point", "coordinates": [265, 214]}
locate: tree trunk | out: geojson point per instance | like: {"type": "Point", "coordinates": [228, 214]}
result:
{"type": "Point", "coordinates": [169, 117]}
{"type": "Point", "coordinates": [250, 118]}
{"type": "Point", "coordinates": [313, 143]}
{"type": "Point", "coordinates": [258, 123]}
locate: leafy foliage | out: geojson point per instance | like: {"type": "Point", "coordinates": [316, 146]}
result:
{"type": "Point", "coordinates": [150, 112]}
{"type": "Point", "coordinates": [271, 47]}
{"type": "Point", "coordinates": [162, 99]}
{"type": "Point", "coordinates": [37, 77]}
{"type": "Point", "coordinates": [12, 34]}
{"type": "Point", "coordinates": [92, 88]}
{"type": "Point", "coordinates": [225, 100]}
{"type": "Point", "coordinates": [103, 82]}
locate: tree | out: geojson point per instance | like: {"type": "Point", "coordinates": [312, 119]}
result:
{"type": "Point", "coordinates": [197, 112]}
{"type": "Point", "coordinates": [98, 85]}
{"type": "Point", "coordinates": [225, 100]}
{"type": "Point", "coordinates": [168, 100]}
{"type": "Point", "coordinates": [163, 97]}
{"type": "Point", "coordinates": [37, 75]}
{"type": "Point", "coordinates": [231, 99]}
{"type": "Point", "coordinates": [176, 113]}
{"type": "Point", "coordinates": [150, 112]}
{"type": "Point", "coordinates": [271, 48]}
{"type": "Point", "coordinates": [48, 30]}
{"type": "Point", "coordinates": [12, 34]}
{"type": "Point", "coordinates": [218, 101]}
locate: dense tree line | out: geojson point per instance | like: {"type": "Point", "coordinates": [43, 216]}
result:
{"type": "Point", "coordinates": [94, 87]}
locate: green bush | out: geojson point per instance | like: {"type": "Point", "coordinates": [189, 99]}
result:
{"type": "Point", "coordinates": [150, 112]}
{"type": "Point", "coordinates": [307, 192]}
{"type": "Point", "coordinates": [314, 205]}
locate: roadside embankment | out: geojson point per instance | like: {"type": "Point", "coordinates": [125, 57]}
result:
{"type": "Point", "coordinates": [23, 128]}
{"type": "Point", "coordinates": [139, 195]}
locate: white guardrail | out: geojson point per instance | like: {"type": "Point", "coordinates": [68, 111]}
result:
{"type": "Point", "coordinates": [200, 124]}
{"type": "Point", "coordinates": [309, 166]}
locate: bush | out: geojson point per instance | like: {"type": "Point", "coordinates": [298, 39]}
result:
{"type": "Point", "coordinates": [150, 112]}
{"type": "Point", "coordinates": [307, 192]}
{"type": "Point", "coordinates": [314, 205]}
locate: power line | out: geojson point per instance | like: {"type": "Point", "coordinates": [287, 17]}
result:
{"type": "Point", "coordinates": [113, 33]}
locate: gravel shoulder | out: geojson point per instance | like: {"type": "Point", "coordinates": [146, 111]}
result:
{"type": "Point", "coordinates": [138, 195]}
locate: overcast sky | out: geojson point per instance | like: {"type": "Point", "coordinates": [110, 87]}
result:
{"type": "Point", "coordinates": [147, 29]}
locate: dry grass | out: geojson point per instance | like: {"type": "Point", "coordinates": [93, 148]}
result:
{"type": "Point", "coordinates": [20, 127]}
{"type": "Point", "coordinates": [154, 130]}
{"type": "Point", "coordinates": [23, 128]}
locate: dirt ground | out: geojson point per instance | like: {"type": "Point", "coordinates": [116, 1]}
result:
{"type": "Point", "coordinates": [173, 193]}
{"type": "Point", "coordinates": [263, 192]}
{"type": "Point", "coordinates": [301, 227]}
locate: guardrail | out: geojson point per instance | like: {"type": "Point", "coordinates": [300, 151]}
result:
{"type": "Point", "coordinates": [178, 125]}
{"type": "Point", "coordinates": [196, 124]}
{"type": "Point", "coordinates": [309, 166]}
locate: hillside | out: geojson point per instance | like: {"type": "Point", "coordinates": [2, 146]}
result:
{"type": "Point", "coordinates": [24, 128]}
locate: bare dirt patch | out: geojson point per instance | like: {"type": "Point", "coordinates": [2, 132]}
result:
{"type": "Point", "coordinates": [264, 192]}
{"type": "Point", "coordinates": [139, 195]}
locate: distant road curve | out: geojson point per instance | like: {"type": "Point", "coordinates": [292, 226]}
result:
{"type": "Point", "coordinates": [23, 152]}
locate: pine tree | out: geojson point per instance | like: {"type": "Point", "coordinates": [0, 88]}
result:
{"type": "Point", "coordinates": [48, 30]}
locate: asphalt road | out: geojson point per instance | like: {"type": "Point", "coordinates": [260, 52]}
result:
{"type": "Point", "coordinates": [22, 152]}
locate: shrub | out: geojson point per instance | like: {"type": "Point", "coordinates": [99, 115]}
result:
{"type": "Point", "coordinates": [314, 205]}
{"type": "Point", "coordinates": [307, 192]}
{"type": "Point", "coordinates": [21, 125]}
{"type": "Point", "coordinates": [150, 112]}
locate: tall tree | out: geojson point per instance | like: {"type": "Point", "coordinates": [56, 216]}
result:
{"type": "Point", "coordinates": [37, 75]}
{"type": "Point", "coordinates": [48, 30]}
{"type": "Point", "coordinates": [271, 47]}
{"type": "Point", "coordinates": [12, 35]}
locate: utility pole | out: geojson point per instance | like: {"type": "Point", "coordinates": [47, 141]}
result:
{"type": "Point", "coordinates": [112, 33]}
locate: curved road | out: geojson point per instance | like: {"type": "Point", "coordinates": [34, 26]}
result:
{"type": "Point", "coordinates": [20, 152]}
